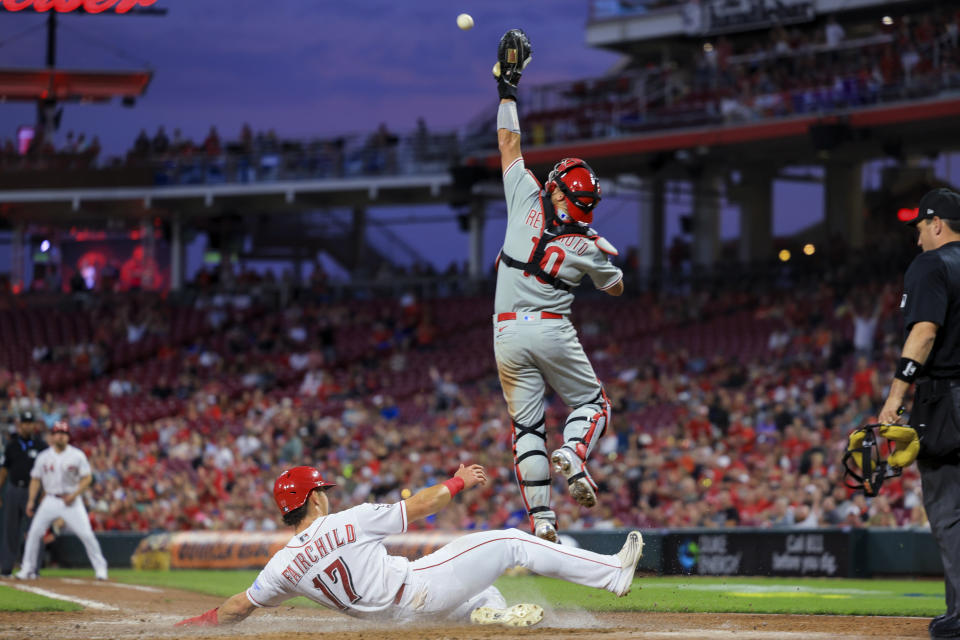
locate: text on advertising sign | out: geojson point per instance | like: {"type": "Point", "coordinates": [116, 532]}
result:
{"type": "Point", "coordinates": [66, 6]}
{"type": "Point", "coordinates": [768, 553]}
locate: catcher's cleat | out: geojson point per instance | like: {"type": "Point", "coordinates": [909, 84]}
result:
{"type": "Point", "coordinates": [546, 530]}
{"type": "Point", "coordinates": [629, 557]}
{"type": "Point", "coordinates": [582, 487]}
{"type": "Point", "coordinates": [519, 615]}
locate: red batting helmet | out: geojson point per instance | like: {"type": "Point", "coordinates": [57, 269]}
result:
{"type": "Point", "coordinates": [577, 181]}
{"type": "Point", "coordinates": [294, 485]}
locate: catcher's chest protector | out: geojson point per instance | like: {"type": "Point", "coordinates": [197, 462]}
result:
{"type": "Point", "coordinates": [551, 231]}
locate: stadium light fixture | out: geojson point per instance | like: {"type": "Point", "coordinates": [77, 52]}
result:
{"type": "Point", "coordinates": [784, 255]}
{"type": "Point", "coordinates": [809, 249]}
{"type": "Point", "coordinates": [886, 20]}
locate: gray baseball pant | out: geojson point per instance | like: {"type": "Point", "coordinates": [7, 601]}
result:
{"type": "Point", "coordinates": [532, 352]}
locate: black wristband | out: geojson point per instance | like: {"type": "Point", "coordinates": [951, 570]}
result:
{"type": "Point", "coordinates": [506, 90]}
{"type": "Point", "coordinates": [907, 370]}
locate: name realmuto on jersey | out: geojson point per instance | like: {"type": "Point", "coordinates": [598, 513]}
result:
{"type": "Point", "coordinates": [317, 549]}
{"type": "Point", "coordinates": [577, 244]}
{"type": "Point", "coordinates": [534, 219]}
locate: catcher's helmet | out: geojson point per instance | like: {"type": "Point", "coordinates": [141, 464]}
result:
{"type": "Point", "coordinates": [577, 181]}
{"type": "Point", "coordinates": [869, 468]}
{"type": "Point", "coordinates": [294, 485]}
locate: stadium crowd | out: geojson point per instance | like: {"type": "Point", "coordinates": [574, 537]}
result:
{"type": "Point", "coordinates": [803, 69]}
{"type": "Point", "coordinates": [732, 79]}
{"type": "Point", "coordinates": [265, 156]}
{"type": "Point", "coordinates": [799, 72]}
{"type": "Point", "coordinates": [731, 406]}
{"type": "Point", "coordinates": [38, 152]}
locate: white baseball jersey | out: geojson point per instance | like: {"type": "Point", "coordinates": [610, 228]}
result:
{"type": "Point", "coordinates": [567, 257]}
{"type": "Point", "coordinates": [340, 562]}
{"type": "Point", "coordinates": [60, 473]}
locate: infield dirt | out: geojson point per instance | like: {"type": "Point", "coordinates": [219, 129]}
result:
{"type": "Point", "coordinates": [147, 614]}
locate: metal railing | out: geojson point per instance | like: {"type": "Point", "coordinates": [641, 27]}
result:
{"type": "Point", "coordinates": [341, 157]}
{"type": "Point", "coordinates": [609, 9]}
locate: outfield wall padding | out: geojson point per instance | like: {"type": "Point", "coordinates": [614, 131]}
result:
{"type": "Point", "coordinates": [117, 547]}
{"type": "Point", "coordinates": [900, 552]}
{"type": "Point", "coordinates": [783, 552]}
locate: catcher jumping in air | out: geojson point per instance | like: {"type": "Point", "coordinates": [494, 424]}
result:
{"type": "Point", "coordinates": [549, 247]}
{"type": "Point", "coordinates": [339, 561]}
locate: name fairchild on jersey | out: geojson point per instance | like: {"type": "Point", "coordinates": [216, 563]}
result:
{"type": "Point", "coordinates": [313, 551]}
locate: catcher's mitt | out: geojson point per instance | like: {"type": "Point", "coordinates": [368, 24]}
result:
{"type": "Point", "coordinates": [513, 55]}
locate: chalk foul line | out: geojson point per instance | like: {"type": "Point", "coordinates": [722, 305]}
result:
{"type": "Point", "coordinates": [83, 602]}
{"type": "Point", "coordinates": [121, 585]}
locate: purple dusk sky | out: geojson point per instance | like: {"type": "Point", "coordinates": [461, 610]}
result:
{"type": "Point", "coordinates": [305, 68]}
{"type": "Point", "coordinates": [314, 68]}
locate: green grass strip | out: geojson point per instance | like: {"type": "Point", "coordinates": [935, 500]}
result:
{"type": "Point", "coordinates": [15, 600]}
{"type": "Point", "coordinates": [676, 594]}
{"type": "Point", "coordinates": [741, 595]}
{"type": "Point", "coordinates": [215, 583]}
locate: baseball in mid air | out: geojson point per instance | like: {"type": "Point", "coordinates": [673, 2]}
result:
{"type": "Point", "coordinates": [465, 21]}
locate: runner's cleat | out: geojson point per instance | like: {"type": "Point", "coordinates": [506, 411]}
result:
{"type": "Point", "coordinates": [519, 615]}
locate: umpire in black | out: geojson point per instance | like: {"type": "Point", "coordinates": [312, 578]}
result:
{"type": "Point", "coordinates": [931, 358]}
{"type": "Point", "coordinates": [18, 458]}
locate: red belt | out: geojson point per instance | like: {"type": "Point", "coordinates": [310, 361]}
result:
{"type": "Point", "coordinates": [397, 598]}
{"type": "Point", "coordinates": [544, 315]}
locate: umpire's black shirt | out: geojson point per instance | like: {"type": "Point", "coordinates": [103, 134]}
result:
{"type": "Point", "coordinates": [18, 457]}
{"type": "Point", "coordinates": [931, 293]}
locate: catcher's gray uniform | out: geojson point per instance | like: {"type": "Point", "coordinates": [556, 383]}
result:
{"type": "Point", "coordinates": [534, 342]}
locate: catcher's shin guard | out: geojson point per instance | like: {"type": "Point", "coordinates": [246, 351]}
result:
{"type": "Point", "coordinates": [533, 470]}
{"type": "Point", "coordinates": [586, 424]}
